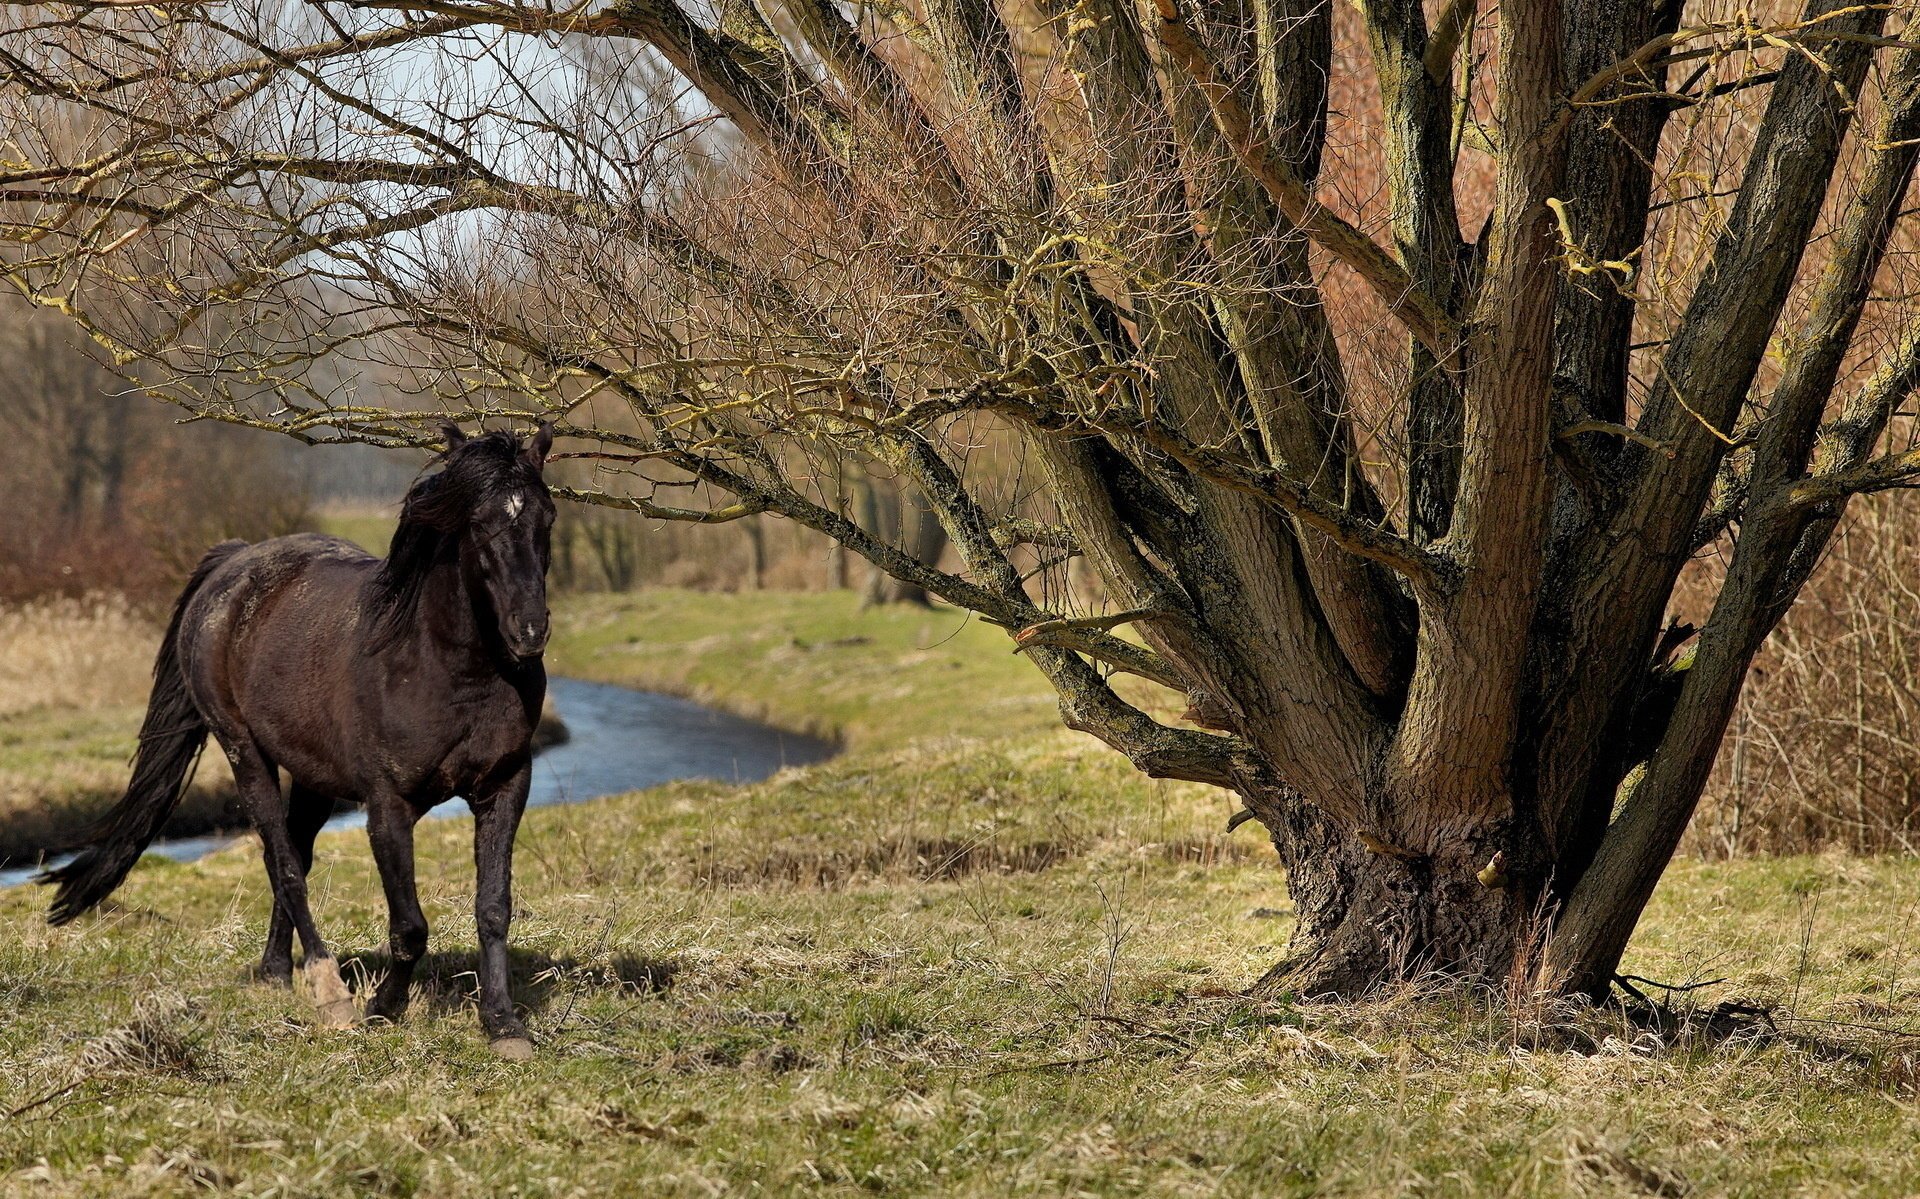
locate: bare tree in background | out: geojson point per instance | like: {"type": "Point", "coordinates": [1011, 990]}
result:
{"type": "Point", "coordinates": [898, 515]}
{"type": "Point", "coordinates": [1388, 425]}
{"type": "Point", "coordinates": [101, 491]}
{"type": "Point", "coordinates": [73, 431]}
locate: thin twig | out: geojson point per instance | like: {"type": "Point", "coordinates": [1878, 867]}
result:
{"type": "Point", "coordinates": [45, 1099]}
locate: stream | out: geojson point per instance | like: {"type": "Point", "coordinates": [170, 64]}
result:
{"type": "Point", "coordinates": [618, 740]}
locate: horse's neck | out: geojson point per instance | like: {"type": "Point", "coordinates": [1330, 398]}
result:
{"type": "Point", "coordinates": [448, 623]}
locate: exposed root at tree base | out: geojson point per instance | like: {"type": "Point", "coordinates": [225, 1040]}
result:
{"type": "Point", "coordinates": [1322, 974]}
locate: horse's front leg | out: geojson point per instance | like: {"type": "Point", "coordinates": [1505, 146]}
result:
{"type": "Point", "coordinates": [390, 821]}
{"type": "Point", "coordinates": [496, 820]}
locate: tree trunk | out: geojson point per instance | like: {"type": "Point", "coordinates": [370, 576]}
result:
{"type": "Point", "coordinates": [879, 519]}
{"type": "Point", "coordinates": [113, 458]}
{"type": "Point", "coordinates": [921, 537]}
{"type": "Point", "coordinates": [898, 515]}
{"type": "Point", "coordinates": [756, 554]}
{"type": "Point", "coordinates": [1373, 915]}
{"type": "Point", "coordinates": [837, 573]}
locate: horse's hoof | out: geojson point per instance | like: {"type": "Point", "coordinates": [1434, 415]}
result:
{"type": "Point", "coordinates": [514, 1049]}
{"type": "Point", "coordinates": [331, 999]}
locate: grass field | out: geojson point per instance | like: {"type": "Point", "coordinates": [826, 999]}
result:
{"type": "Point", "coordinates": [974, 955]}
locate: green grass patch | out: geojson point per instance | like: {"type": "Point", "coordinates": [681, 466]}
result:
{"type": "Point", "coordinates": [371, 530]}
{"type": "Point", "coordinates": [811, 662]}
{"type": "Point", "coordinates": [975, 955]}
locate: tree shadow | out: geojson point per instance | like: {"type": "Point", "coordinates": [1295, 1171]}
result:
{"type": "Point", "coordinates": [449, 982]}
{"type": "Point", "coordinates": [1675, 1024]}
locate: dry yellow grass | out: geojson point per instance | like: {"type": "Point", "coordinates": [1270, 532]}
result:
{"type": "Point", "coordinates": [90, 653]}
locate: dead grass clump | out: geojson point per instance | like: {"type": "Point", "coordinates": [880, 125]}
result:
{"type": "Point", "coordinates": [632, 974]}
{"type": "Point", "coordinates": [778, 1058]}
{"type": "Point", "coordinates": [1215, 849]}
{"type": "Point", "coordinates": [163, 1036]}
{"type": "Point", "coordinates": [1609, 1162]}
{"type": "Point", "coordinates": [617, 1119]}
{"type": "Point", "coordinates": [1898, 1072]}
{"type": "Point", "coordinates": [731, 1053]}
{"type": "Point", "coordinates": [157, 1167]}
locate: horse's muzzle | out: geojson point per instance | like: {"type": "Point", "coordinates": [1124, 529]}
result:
{"type": "Point", "coordinates": [528, 638]}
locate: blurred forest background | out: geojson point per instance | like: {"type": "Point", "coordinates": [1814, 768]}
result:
{"type": "Point", "coordinates": [109, 491]}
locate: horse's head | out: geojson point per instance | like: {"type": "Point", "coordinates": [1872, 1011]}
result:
{"type": "Point", "coordinates": [491, 503]}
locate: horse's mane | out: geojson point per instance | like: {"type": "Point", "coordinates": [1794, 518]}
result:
{"type": "Point", "coordinates": [437, 509]}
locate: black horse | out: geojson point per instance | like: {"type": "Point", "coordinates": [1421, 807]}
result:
{"type": "Point", "coordinates": [399, 684]}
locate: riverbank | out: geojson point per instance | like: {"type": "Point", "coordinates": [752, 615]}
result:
{"type": "Point", "coordinates": [73, 686]}
{"type": "Point", "coordinates": [974, 955]}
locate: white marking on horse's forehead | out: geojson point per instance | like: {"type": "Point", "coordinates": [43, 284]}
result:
{"type": "Point", "coordinates": [515, 502]}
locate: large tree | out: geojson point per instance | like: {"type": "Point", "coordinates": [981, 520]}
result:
{"type": "Point", "coordinates": [1388, 426]}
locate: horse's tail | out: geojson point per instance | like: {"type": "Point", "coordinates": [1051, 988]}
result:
{"type": "Point", "coordinates": [171, 737]}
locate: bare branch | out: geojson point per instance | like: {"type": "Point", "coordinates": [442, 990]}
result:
{"type": "Point", "coordinates": [1422, 315]}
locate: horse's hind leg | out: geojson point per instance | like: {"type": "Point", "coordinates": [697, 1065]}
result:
{"type": "Point", "coordinates": [390, 822]}
{"type": "Point", "coordinates": [267, 807]}
{"type": "Point", "coordinates": [307, 810]}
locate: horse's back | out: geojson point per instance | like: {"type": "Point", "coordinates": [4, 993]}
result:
{"type": "Point", "coordinates": [256, 580]}
{"type": "Point", "coordinates": [278, 612]}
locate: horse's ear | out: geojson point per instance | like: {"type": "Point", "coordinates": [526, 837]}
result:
{"type": "Point", "coordinates": [455, 438]}
{"type": "Point", "coordinates": [538, 448]}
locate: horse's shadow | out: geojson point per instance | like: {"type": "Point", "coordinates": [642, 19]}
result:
{"type": "Point", "coordinates": [448, 982]}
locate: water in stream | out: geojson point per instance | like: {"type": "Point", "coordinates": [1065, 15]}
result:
{"type": "Point", "coordinates": [619, 740]}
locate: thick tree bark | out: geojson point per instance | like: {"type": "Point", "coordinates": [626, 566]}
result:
{"type": "Point", "coordinates": [1371, 916]}
{"type": "Point", "coordinates": [1426, 232]}
{"type": "Point", "coordinates": [1779, 541]}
